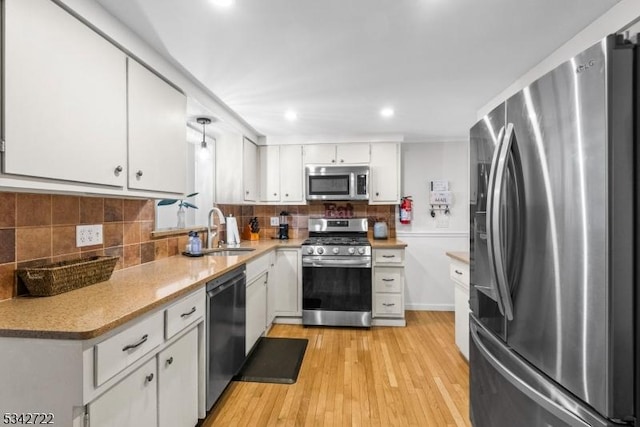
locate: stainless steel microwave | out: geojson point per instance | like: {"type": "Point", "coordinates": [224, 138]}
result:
{"type": "Point", "coordinates": [337, 182]}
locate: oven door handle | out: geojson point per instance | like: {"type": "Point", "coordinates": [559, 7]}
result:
{"type": "Point", "coordinates": [336, 263]}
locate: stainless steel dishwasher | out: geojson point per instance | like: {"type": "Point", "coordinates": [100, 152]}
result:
{"type": "Point", "coordinates": [226, 320]}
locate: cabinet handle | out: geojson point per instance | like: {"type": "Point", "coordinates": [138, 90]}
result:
{"type": "Point", "coordinates": [388, 256]}
{"type": "Point", "coordinates": [341, 160]}
{"type": "Point", "coordinates": [117, 170]}
{"type": "Point", "coordinates": [388, 280]}
{"type": "Point", "coordinates": [275, 194]}
{"type": "Point", "coordinates": [377, 194]}
{"type": "Point", "coordinates": [458, 272]}
{"type": "Point", "coordinates": [387, 304]}
{"type": "Point", "coordinates": [193, 310]}
{"type": "Point", "coordinates": [138, 344]}
{"type": "Point", "coordinates": [333, 160]}
{"type": "Point", "coordinates": [247, 192]}
{"type": "Point", "coordinates": [149, 377]}
{"type": "Point", "coordinates": [170, 360]}
{"type": "Point", "coordinates": [139, 173]}
{"type": "Point", "coordinates": [286, 195]}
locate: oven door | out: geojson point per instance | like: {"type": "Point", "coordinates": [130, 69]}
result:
{"type": "Point", "coordinates": [336, 291]}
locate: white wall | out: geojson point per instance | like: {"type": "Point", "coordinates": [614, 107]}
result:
{"type": "Point", "coordinates": [428, 286]}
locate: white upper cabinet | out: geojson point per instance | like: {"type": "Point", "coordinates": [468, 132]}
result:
{"type": "Point", "coordinates": [157, 133]}
{"type": "Point", "coordinates": [250, 170]}
{"type": "Point", "coordinates": [270, 173]}
{"type": "Point", "coordinates": [336, 154]}
{"type": "Point", "coordinates": [281, 174]}
{"type": "Point", "coordinates": [385, 173]}
{"type": "Point", "coordinates": [291, 174]}
{"type": "Point", "coordinates": [65, 97]}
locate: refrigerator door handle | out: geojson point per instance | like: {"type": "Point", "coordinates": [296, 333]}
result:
{"type": "Point", "coordinates": [478, 334]}
{"type": "Point", "coordinates": [495, 230]}
{"type": "Point", "coordinates": [493, 291]}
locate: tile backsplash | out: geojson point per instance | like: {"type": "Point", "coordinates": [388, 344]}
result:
{"type": "Point", "coordinates": [41, 228]}
{"type": "Point", "coordinates": [37, 229]}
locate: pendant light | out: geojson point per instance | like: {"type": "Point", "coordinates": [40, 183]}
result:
{"type": "Point", "coordinates": [203, 121]}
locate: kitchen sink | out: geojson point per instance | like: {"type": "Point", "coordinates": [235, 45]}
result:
{"type": "Point", "coordinates": [229, 251]}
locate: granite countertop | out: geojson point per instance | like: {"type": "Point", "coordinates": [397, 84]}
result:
{"type": "Point", "coordinates": [94, 310]}
{"type": "Point", "coordinates": [460, 256]}
{"type": "Point", "coordinates": [391, 243]}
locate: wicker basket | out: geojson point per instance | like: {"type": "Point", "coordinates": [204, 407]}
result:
{"type": "Point", "coordinates": [59, 277]}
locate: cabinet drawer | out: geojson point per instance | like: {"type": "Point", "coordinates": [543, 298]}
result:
{"type": "Point", "coordinates": [121, 350]}
{"type": "Point", "coordinates": [389, 305]}
{"type": "Point", "coordinates": [459, 272]}
{"type": "Point", "coordinates": [389, 256]}
{"type": "Point", "coordinates": [183, 313]}
{"type": "Point", "coordinates": [388, 279]}
{"type": "Point", "coordinates": [257, 266]}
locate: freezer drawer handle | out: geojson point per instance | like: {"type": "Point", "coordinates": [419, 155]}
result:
{"type": "Point", "coordinates": [520, 384]}
{"type": "Point", "coordinates": [143, 340]}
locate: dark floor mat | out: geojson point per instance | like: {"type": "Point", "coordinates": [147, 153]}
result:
{"type": "Point", "coordinates": [274, 360]}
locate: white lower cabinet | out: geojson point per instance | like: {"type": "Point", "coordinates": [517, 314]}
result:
{"type": "Point", "coordinates": [459, 273]}
{"type": "Point", "coordinates": [132, 402]}
{"type": "Point", "coordinates": [287, 298]}
{"type": "Point", "coordinates": [388, 287]}
{"type": "Point", "coordinates": [256, 310]}
{"type": "Point", "coordinates": [178, 383]}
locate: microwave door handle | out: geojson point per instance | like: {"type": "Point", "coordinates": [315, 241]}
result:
{"type": "Point", "coordinates": [489, 223]}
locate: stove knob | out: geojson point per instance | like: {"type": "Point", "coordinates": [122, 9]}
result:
{"type": "Point", "coordinates": [320, 251]}
{"type": "Point", "coordinates": [351, 250]}
{"type": "Point", "coordinates": [310, 250]}
{"type": "Point", "coordinates": [336, 250]}
{"type": "Point", "coordinates": [361, 250]}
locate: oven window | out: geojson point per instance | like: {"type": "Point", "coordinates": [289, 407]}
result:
{"type": "Point", "coordinates": [336, 288]}
{"type": "Point", "coordinates": [329, 185]}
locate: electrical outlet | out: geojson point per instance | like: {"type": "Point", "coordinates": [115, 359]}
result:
{"type": "Point", "coordinates": [275, 221]}
{"type": "Point", "coordinates": [88, 235]}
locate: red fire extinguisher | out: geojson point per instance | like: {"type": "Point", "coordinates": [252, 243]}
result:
{"type": "Point", "coordinates": [405, 210]}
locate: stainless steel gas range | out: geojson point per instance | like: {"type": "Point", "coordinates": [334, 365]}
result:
{"type": "Point", "coordinates": [336, 273]}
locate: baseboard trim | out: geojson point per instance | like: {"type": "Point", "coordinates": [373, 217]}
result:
{"type": "Point", "coordinates": [433, 234]}
{"type": "Point", "coordinates": [430, 307]}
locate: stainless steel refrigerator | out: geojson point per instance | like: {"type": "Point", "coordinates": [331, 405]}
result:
{"type": "Point", "coordinates": [554, 322]}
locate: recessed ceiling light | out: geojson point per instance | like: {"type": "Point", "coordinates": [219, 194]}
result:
{"type": "Point", "coordinates": [387, 112]}
{"type": "Point", "coordinates": [223, 3]}
{"type": "Point", "coordinates": [290, 115]}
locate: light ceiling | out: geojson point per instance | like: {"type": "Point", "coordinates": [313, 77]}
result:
{"type": "Point", "coordinates": [338, 63]}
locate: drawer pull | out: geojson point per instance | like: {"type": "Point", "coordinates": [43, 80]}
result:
{"type": "Point", "coordinates": [149, 377]}
{"type": "Point", "coordinates": [458, 272]}
{"type": "Point", "coordinates": [388, 256]}
{"type": "Point", "coordinates": [170, 360]}
{"type": "Point", "coordinates": [388, 304]}
{"type": "Point", "coordinates": [144, 339]}
{"type": "Point", "coordinates": [193, 310]}
{"type": "Point", "coordinates": [388, 280]}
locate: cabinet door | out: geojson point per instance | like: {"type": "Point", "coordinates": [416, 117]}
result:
{"type": "Point", "coordinates": [320, 154]}
{"type": "Point", "coordinates": [229, 186]}
{"type": "Point", "coordinates": [291, 174]}
{"type": "Point", "coordinates": [287, 283]}
{"type": "Point", "coordinates": [271, 290]}
{"type": "Point", "coordinates": [178, 382]}
{"type": "Point", "coordinates": [132, 402]}
{"type": "Point", "coordinates": [269, 173]}
{"type": "Point", "coordinates": [250, 170]}
{"type": "Point", "coordinates": [352, 153]}
{"type": "Point", "coordinates": [256, 310]}
{"type": "Point", "coordinates": [64, 97]}
{"type": "Point", "coordinates": [385, 173]}
{"type": "Point", "coordinates": [157, 133]}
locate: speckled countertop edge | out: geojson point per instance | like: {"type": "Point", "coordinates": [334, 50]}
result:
{"type": "Point", "coordinates": [94, 310]}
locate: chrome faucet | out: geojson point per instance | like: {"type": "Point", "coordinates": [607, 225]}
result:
{"type": "Point", "coordinates": [212, 234]}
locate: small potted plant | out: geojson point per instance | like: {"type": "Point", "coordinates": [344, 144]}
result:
{"type": "Point", "coordinates": [181, 205]}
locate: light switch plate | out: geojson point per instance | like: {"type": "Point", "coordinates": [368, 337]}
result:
{"type": "Point", "coordinates": [88, 235]}
{"type": "Point", "coordinates": [275, 221]}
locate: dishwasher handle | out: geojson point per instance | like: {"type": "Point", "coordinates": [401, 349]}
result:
{"type": "Point", "coordinates": [222, 287]}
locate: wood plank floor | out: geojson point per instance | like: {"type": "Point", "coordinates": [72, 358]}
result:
{"type": "Point", "coordinates": [384, 376]}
